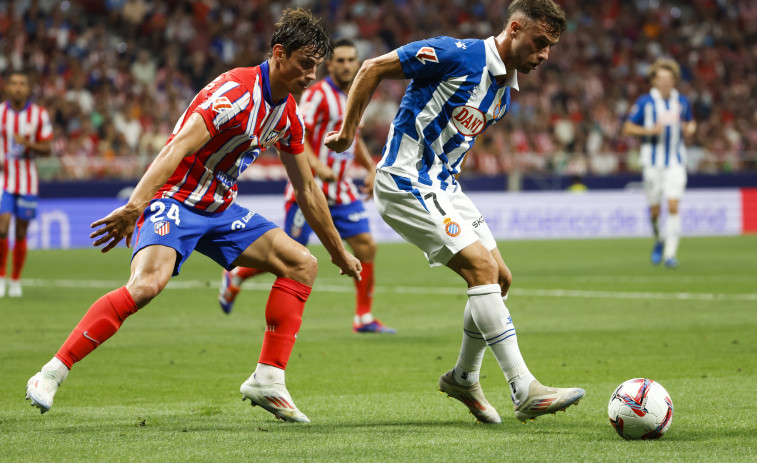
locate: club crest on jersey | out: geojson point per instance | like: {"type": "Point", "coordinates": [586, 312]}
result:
{"type": "Point", "coordinates": [468, 120]}
{"type": "Point", "coordinates": [427, 54]}
{"type": "Point", "coordinates": [221, 105]}
{"type": "Point", "coordinates": [499, 110]}
{"type": "Point", "coordinates": [451, 227]}
{"type": "Point", "coordinates": [271, 138]}
{"type": "Point", "coordinates": [162, 228]}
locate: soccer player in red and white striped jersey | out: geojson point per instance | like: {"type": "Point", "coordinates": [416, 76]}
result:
{"type": "Point", "coordinates": [25, 133]}
{"type": "Point", "coordinates": [322, 106]}
{"type": "Point", "coordinates": [185, 202]}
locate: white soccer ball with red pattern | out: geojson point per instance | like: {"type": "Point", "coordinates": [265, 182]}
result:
{"type": "Point", "coordinates": [640, 409]}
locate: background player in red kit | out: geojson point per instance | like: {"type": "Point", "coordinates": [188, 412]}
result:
{"type": "Point", "coordinates": [185, 202]}
{"type": "Point", "coordinates": [322, 106]}
{"type": "Point", "coordinates": [25, 132]}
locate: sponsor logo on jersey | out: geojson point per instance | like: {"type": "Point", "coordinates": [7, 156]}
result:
{"type": "Point", "coordinates": [357, 216]}
{"type": "Point", "coordinates": [427, 54]}
{"type": "Point", "coordinates": [468, 120]}
{"type": "Point", "coordinates": [221, 105]}
{"type": "Point", "coordinates": [478, 222]}
{"type": "Point", "coordinates": [162, 228]}
{"type": "Point", "coordinates": [460, 44]}
{"type": "Point", "coordinates": [225, 179]}
{"type": "Point", "coordinates": [451, 227]}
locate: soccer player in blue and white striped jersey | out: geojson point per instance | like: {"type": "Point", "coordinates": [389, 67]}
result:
{"type": "Point", "coordinates": [459, 88]}
{"type": "Point", "coordinates": [663, 117]}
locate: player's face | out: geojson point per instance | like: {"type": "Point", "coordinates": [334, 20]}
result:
{"type": "Point", "coordinates": [297, 70]}
{"type": "Point", "coordinates": [18, 89]}
{"type": "Point", "coordinates": [343, 65]}
{"type": "Point", "coordinates": [531, 43]}
{"type": "Point", "coordinates": [664, 81]}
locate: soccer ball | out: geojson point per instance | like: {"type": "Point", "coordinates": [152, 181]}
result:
{"type": "Point", "coordinates": [640, 409]}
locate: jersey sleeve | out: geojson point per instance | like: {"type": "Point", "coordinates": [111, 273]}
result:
{"type": "Point", "coordinates": [224, 106]}
{"type": "Point", "coordinates": [636, 115]}
{"type": "Point", "coordinates": [436, 58]}
{"type": "Point", "coordinates": [310, 107]}
{"type": "Point", "coordinates": [45, 128]}
{"type": "Point", "coordinates": [292, 141]}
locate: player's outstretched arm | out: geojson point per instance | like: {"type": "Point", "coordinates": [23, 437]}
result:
{"type": "Point", "coordinates": [120, 223]}
{"type": "Point", "coordinates": [629, 128]}
{"type": "Point", "coordinates": [371, 73]}
{"type": "Point", "coordinates": [314, 207]}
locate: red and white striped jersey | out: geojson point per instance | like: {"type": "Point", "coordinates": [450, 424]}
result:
{"type": "Point", "coordinates": [19, 168]}
{"type": "Point", "coordinates": [322, 106]}
{"type": "Point", "coordinates": [243, 121]}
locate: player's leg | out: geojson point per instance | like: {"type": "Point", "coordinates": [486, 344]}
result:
{"type": "Point", "coordinates": [652, 180]}
{"type": "Point", "coordinates": [675, 182]}
{"type": "Point", "coordinates": [151, 268]}
{"type": "Point", "coordinates": [351, 220]}
{"type": "Point", "coordinates": [295, 269]}
{"type": "Point", "coordinates": [426, 218]}
{"type": "Point", "coordinates": [19, 258]}
{"type": "Point", "coordinates": [7, 206]}
{"type": "Point", "coordinates": [4, 226]}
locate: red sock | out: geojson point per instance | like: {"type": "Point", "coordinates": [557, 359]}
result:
{"type": "Point", "coordinates": [245, 273]}
{"type": "Point", "coordinates": [364, 289]}
{"type": "Point", "coordinates": [19, 257]}
{"type": "Point", "coordinates": [283, 317]}
{"type": "Point", "coordinates": [3, 255]}
{"type": "Point", "coordinates": [100, 322]}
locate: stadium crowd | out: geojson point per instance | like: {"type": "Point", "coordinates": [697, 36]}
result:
{"type": "Point", "coordinates": [116, 75]}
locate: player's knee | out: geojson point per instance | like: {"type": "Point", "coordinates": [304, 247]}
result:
{"type": "Point", "coordinates": [305, 269]}
{"type": "Point", "coordinates": [144, 290]}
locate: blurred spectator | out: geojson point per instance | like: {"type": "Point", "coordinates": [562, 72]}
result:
{"type": "Point", "coordinates": [114, 58]}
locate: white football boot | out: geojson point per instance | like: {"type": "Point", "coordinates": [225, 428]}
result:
{"type": "Point", "coordinates": [274, 398]}
{"type": "Point", "coordinates": [542, 400]}
{"type": "Point", "coordinates": [471, 396]}
{"type": "Point", "coordinates": [41, 389]}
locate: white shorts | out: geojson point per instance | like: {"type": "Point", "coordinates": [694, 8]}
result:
{"type": "Point", "coordinates": [664, 182]}
{"type": "Point", "coordinates": [441, 223]}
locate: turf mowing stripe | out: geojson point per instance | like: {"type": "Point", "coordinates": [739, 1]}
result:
{"type": "Point", "coordinates": [586, 294]}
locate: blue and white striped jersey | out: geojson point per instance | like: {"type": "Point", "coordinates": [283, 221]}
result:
{"type": "Point", "coordinates": [452, 98]}
{"type": "Point", "coordinates": [666, 149]}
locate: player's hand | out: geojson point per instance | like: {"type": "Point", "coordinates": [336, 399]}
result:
{"type": "Point", "coordinates": [336, 141]}
{"type": "Point", "coordinates": [325, 173]}
{"type": "Point", "coordinates": [114, 227]}
{"type": "Point", "coordinates": [656, 129]}
{"type": "Point", "coordinates": [348, 264]}
{"type": "Point", "coordinates": [367, 186]}
{"type": "Point", "coordinates": [21, 140]}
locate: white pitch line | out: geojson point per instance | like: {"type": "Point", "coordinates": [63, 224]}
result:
{"type": "Point", "coordinates": [422, 290]}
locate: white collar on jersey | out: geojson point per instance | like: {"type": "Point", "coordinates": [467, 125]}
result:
{"type": "Point", "coordinates": [496, 66]}
{"type": "Point", "coordinates": [656, 95]}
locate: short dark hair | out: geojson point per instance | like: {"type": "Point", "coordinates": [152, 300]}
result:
{"type": "Point", "coordinates": [299, 29]}
{"type": "Point", "coordinates": [545, 11]}
{"type": "Point", "coordinates": [344, 42]}
{"type": "Point", "coordinates": [16, 72]}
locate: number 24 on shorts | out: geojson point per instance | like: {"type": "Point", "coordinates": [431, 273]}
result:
{"type": "Point", "coordinates": [158, 207]}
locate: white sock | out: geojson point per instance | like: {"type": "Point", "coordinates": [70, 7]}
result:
{"type": "Point", "coordinates": [58, 369]}
{"type": "Point", "coordinates": [495, 324]}
{"type": "Point", "coordinates": [468, 364]}
{"type": "Point", "coordinates": [363, 319]}
{"type": "Point", "coordinates": [267, 374]}
{"type": "Point", "coordinates": [672, 235]}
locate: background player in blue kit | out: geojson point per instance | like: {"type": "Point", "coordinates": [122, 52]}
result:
{"type": "Point", "coordinates": [458, 89]}
{"type": "Point", "coordinates": [663, 117]}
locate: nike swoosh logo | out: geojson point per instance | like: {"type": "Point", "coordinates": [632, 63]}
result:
{"type": "Point", "coordinates": [86, 335]}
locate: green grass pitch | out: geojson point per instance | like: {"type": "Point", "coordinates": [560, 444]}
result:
{"type": "Point", "coordinates": [589, 313]}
